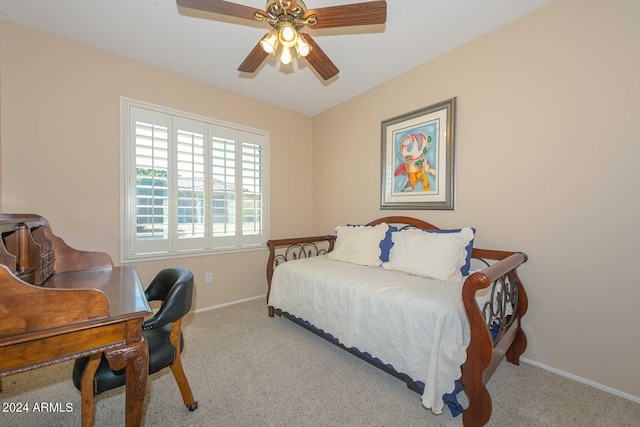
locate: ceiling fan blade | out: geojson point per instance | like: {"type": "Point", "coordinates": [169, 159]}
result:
{"type": "Point", "coordinates": [221, 7]}
{"type": "Point", "coordinates": [319, 60]}
{"type": "Point", "coordinates": [253, 60]}
{"type": "Point", "coordinates": [348, 15]}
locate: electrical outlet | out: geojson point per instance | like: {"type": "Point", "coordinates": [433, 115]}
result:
{"type": "Point", "coordinates": [208, 277]}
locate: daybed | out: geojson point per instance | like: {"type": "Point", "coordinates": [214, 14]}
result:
{"type": "Point", "coordinates": [427, 323]}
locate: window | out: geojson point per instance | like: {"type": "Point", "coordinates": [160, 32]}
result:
{"type": "Point", "coordinates": [190, 185]}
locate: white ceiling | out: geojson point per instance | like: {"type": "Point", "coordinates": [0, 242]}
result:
{"type": "Point", "coordinates": [209, 47]}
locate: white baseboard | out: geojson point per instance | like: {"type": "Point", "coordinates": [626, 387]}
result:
{"type": "Point", "coordinates": [200, 310]}
{"type": "Point", "coordinates": [582, 380]}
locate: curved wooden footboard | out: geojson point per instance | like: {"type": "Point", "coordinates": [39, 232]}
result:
{"type": "Point", "coordinates": [495, 328]}
{"type": "Point", "coordinates": [485, 352]}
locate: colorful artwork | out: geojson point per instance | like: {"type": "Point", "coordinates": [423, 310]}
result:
{"type": "Point", "coordinates": [415, 159]}
{"type": "Point", "coordinates": [418, 158]}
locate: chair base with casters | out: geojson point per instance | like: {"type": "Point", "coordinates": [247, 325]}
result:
{"type": "Point", "coordinates": [174, 287]}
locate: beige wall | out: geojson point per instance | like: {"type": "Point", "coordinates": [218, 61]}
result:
{"type": "Point", "coordinates": [547, 149]}
{"type": "Point", "coordinates": [61, 150]}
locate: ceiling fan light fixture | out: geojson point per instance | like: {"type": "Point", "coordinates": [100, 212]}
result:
{"type": "Point", "coordinates": [286, 57]}
{"type": "Point", "coordinates": [302, 47]}
{"type": "Point", "coordinates": [269, 43]}
{"type": "Point", "coordinates": [287, 35]}
{"type": "Point", "coordinates": [286, 19]}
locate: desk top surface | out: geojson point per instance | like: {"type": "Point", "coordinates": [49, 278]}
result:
{"type": "Point", "coordinates": [78, 299]}
{"type": "Point", "coordinates": [121, 285]}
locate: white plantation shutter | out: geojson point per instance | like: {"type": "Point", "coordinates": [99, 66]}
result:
{"type": "Point", "coordinates": [252, 188]}
{"type": "Point", "coordinates": [150, 229]}
{"type": "Point", "coordinates": [224, 143]}
{"type": "Point", "coordinates": [190, 184]}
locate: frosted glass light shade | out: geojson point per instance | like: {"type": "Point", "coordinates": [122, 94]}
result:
{"type": "Point", "coordinates": [269, 43]}
{"type": "Point", "coordinates": [287, 36]}
{"type": "Point", "coordinates": [286, 56]}
{"type": "Point", "coordinates": [302, 47]}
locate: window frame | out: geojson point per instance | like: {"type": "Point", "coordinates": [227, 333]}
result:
{"type": "Point", "coordinates": [239, 242]}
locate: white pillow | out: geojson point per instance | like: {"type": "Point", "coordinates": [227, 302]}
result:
{"type": "Point", "coordinates": [359, 245]}
{"type": "Point", "coordinates": [436, 255]}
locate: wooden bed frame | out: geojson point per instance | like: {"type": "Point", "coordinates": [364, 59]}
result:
{"type": "Point", "coordinates": [484, 352]}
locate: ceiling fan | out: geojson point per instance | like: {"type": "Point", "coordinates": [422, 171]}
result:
{"type": "Point", "coordinates": [287, 18]}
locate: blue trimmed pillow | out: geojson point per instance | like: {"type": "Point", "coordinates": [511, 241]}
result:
{"type": "Point", "coordinates": [469, 248]}
{"type": "Point", "coordinates": [385, 244]}
{"type": "Point", "coordinates": [359, 244]}
{"type": "Point", "coordinates": [437, 254]}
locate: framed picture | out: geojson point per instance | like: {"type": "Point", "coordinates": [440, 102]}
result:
{"type": "Point", "coordinates": [418, 159]}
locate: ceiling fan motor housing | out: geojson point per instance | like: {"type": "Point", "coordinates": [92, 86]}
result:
{"type": "Point", "coordinates": [279, 13]}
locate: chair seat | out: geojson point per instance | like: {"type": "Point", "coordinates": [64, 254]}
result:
{"type": "Point", "coordinates": [161, 355]}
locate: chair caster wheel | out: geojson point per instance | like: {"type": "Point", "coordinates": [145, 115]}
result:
{"type": "Point", "coordinates": [193, 406]}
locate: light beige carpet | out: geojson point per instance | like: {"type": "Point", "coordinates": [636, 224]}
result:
{"type": "Point", "coordinates": [247, 369]}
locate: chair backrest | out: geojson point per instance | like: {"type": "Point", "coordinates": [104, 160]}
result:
{"type": "Point", "coordinates": [173, 286]}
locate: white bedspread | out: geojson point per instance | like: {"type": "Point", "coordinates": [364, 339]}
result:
{"type": "Point", "coordinates": [415, 324]}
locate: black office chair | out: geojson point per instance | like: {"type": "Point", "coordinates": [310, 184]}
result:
{"type": "Point", "coordinates": [174, 287]}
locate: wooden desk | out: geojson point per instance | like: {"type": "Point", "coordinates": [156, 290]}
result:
{"type": "Point", "coordinates": [77, 311]}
